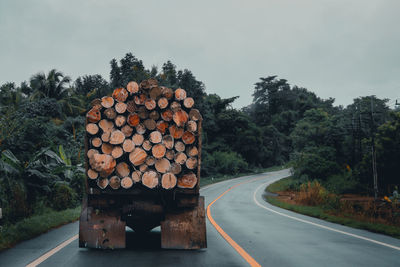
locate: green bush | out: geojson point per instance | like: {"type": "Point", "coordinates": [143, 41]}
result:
{"type": "Point", "coordinates": [221, 162]}
{"type": "Point", "coordinates": [341, 183]}
{"type": "Point", "coordinates": [63, 197]}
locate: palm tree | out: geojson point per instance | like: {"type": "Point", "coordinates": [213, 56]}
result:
{"type": "Point", "coordinates": [52, 86]}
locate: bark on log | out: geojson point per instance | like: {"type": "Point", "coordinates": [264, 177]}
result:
{"type": "Point", "coordinates": [150, 124]}
{"type": "Point", "coordinates": [106, 148]}
{"type": "Point", "coordinates": [92, 174]}
{"type": "Point", "coordinates": [188, 102]}
{"type": "Point", "coordinates": [167, 115]}
{"type": "Point", "coordinates": [180, 158]}
{"type": "Point", "coordinates": [127, 130]}
{"type": "Point", "coordinates": [110, 113]}
{"type": "Point", "coordinates": [150, 179]}
{"type": "Point", "coordinates": [117, 152]}
{"type": "Point", "coordinates": [117, 137]}
{"type": "Point", "coordinates": [107, 101]}
{"type": "Point", "coordinates": [162, 126]}
{"type": "Point", "coordinates": [180, 117]}
{"type": "Point", "coordinates": [155, 92]}
{"type": "Point", "coordinates": [140, 128]}
{"type": "Point", "coordinates": [188, 138]}
{"type": "Point", "coordinates": [179, 146]}
{"type": "Point", "coordinates": [163, 102]}
{"type": "Point", "coordinates": [144, 85]}
{"type": "Point", "coordinates": [133, 119]}
{"type": "Point", "coordinates": [136, 176]}
{"type": "Point", "coordinates": [128, 145]}
{"type": "Point", "coordinates": [152, 83]}
{"type": "Point", "coordinates": [168, 181]}
{"type": "Point", "coordinates": [180, 94]}
{"type": "Point", "coordinates": [170, 154]}
{"type": "Point", "coordinates": [168, 93]}
{"type": "Point", "coordinates": [192, 126]}
{"type": "Point", "coordinates": [175, 106]}
{"type": "Point", "coordinates": [188, 180]}
{"type": "Point", "coordinates": [138, 139]}
{"type": "Point", "coordinates": [158, 151]}
{"type": "Point", "coordinates": [191, 163]}
{"type": "Point", "coordinates": [96, 103]}
{"type": "Point", "coordinates": [139, 99]}
{"type": "Point", "coordinates": [122, 169]}
{"type": "Point", "coordinates": [92, 128]}
{"type": "Point", "coordinates": [120, 121]}
{"type": "Point", "coordinates": [176, 132]}
{"type": "Point", "coordinates": [137, 156]}
{"type": "Point", "coordinates": [126, 182]}
{"type": "Point", "coordinates": [96, 142]}
{"type": "Point", "coordinates": [132, 87]}
{"type": "Point", "coordinates": [194, 115]}
{"type": "Point", "coordinates": [120, 94]}
{"type": "Point", "coordinates": [93, 115]}
{"type": "Point", "coordinates": [131, 106]}
{"type": "Point", "coordinates": [147, 145]}
{"type": "Point", "coordinates": [168, 141]}
{"type": "Point", "coordinates": [115, 182]}
{"type": "Point", "coordinates": [120, 107]}
{"type": "Point", "coordinates": [176, 168]}
{"type": "Point", "coordinates": [163, 165]}
{"type": "Point", "coordinates": [150, 104]}
{"type": "Point", "coordinates": [155, 137]}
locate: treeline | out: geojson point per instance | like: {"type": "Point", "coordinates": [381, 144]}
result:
{"type": "Point", "coordinates": [42, 131]}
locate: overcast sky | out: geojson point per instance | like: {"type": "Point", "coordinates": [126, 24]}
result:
{"type": "Point", "coordinates": [341, 49]}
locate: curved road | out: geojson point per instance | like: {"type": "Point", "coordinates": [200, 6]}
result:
{"type": "Point", "coordinates": [263, 234]}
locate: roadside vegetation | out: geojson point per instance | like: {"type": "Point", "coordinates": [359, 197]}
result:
{"type": "Point", "coordinates": [313, 199]}
{"type": "Point", "coordinates": [42, 130]}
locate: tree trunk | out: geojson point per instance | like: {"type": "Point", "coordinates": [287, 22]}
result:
{"type": "Point", "coordinates": [136, 176]}
{"type": "Point", "coordinates": [107, 101]}
{"type": "Point", "coordinates": [128, 145]}
{"type": "Point", "coordinates": [117, 152]}
{"type": "Point", "coordinates": [191, 163]}
{"type": "Point", "coordinates": [115, 182]}
{"type": "Point", "coordinates": [138, 139]}
{"type": "Point", "coordinates": [188, 138]}
{"type": "Point", "coordinates": [110, 113]}
{"type": "Point", "coordinates": [120, 107]}
{"type": "Point", "coordinates": [120, 94]}
{"type": "Point", "coordinates": [122, 169]}
{"type": "Point", "coordinates": [168, 141]}
{"type": "Point", "coordinates": [126, 182]}
{"type": "Point", "coordinates": [179, 146]}
{"type": "Point", "coordinates": [92, 174]}
{"type": "Point", "coordinates": [117, 137]}
{"type": "Point", "coordinates": [137, 156]}
{"type": "Point", "coordinates": [180, 158]}
{"type": "Point", "coordinates": [93, 115]}
{"type": "Point", "coordinates": [162, 102]}
{"type": "Point", "coordinates": [92, 128]}
{"type": "Point", "coordinates": [147, 145]}
{"type": "Point", "coordinates": [150, 179]}
{"type": "Point", "coordinates": [150, 124]}
{"type": "Point", "coordinates": [168, 180]}
{"type": "Point", "coordinates": [106, 148]}
{"type": "Point", "coordinates": [155, 137]}
{"type": "Point", "coordinates": [163, 165]}
{"type": "Point", "coordinates": [188, 102]}
{"type": "Point", "coordinates": [120, 121]}
{"type": "Point", "coordinates": [132, 87]}
{"type": "Point", "coordinates": [127, 130]}
{"type": "Point", "coordinates": [158, 151]}
{"type": "Point", "coordinates": [180, 117]}
{"type": "Point", "coordinates": [188, 180]}
{"type": "Point", "coordinates": [180, 94]}
{"type": "Point", "coordinates": [96, 142]}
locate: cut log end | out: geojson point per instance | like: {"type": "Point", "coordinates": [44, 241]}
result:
{"type": "Point", "coordinates": [168, 181]}
{"type": "Point", "coordinates": [137, 156]}
{"type": "Point", "coordinates": [126, 182]}
{"type": "Point", "coordinates": [92, 128]}
{"type": "Point", "coordinates": [150, 179]}
{"type": "Point", "coordinates": [188, 180]}
{"type": "Point", "coordinates": [107, 101]}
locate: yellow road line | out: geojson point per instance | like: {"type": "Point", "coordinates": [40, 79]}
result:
{"type": "Point", "coordinates": [52, 252]}
{"type": "Point", "coordinates": [231, 242]}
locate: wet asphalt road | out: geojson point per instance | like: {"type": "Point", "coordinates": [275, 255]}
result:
{"type": "Point", "coordinates": [271, 239]}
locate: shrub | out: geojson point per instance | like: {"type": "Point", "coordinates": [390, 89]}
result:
{"type": "Point", "coordinates": [63, 197]}
{"type": "Point", "coordinates": [341, 183]}
{"type": "Point", "coordinates": [311, 193]}
{"type": "Point", "coordinates": [221, 162]}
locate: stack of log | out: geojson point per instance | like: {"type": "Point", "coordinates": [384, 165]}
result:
{"type": "Point", "coordinates": [144, 134]}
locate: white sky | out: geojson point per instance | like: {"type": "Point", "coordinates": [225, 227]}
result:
{"type": "Point", "coordinates": [339, 48]}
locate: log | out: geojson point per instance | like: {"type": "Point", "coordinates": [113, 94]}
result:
{"type": "Point", "coordinates": [137, 156]}
{"type": "Point", "coordinates": [143, 113]}
{"type": "Point", "coordinates": [143, 167]}
{"type": "Point", "coordinates": [106, 136]}
{"type": "Point", "coordinates": [120, 94]}
{"type": "Point", "coordinates": [92, 174]}
{"type": "Point", "coordinates": [152, 83]}
{"type": "Point", "coordinates": [110, 113]}
{"type": "Point", "coordinates": [93, 115]}
{"type": "Point", "coordinates": [195, 115]}
{"type": "Point", "coordinates": [155, 92]}
{"type": "Point", "coordinates": [192, 151]}
{"type": "Point", "coordinates": [136, 176]}
{"type": "Point", "coordinates": [191, 163]}
{"type": "Point", "coordinates": [150, 179]}
{"type": "Point", "coordinates": [163, 102]}
{"type": "Point", "coordinates": [91, 152]}
{"type": "Point", "coordinates": [139, 99]}
{"type": "Point", "coordinates": [120, 107]}
{"type": "Point", "coordinates": [150, 161]}
{"type": "Point", "coordinates": [102, 163]}
{"type": "Point", "coordinates": [115, 182]}
{"type": "Point", "coordinates": [179, 146]}
{"type": "Point", "coordinates": [128, 145]}
{"type": "Point", "coordinates": [162, 165]}
{"type": "Point", "coordinates": [150, 104]}
{"type": "Point", "coordinates": [127, 130]}
{"type": "Point", "coordinates": [102, 183]}
{"type": "Point", "coordinates": [162, 126]}
{"type": "Point", "coordinates": [188, 180]}
{"type": "Point", "coordinates": [168, 93]}
{"type": "Point", "coordinates": [138, 139]}
{"type": "Point", "coordinates": [96, 142]}
{"type": "Point", "coordinates": [168, 181]}
{"type": "Point", "coordinates": [117, 137]}
{"type": "Point", "coordinates": [192, 126]}
{"type": "Point", "coordinates": [132, 87]}
{"type": "Point", "coordinates": [176, 132]}
{"type": "Point", "coordinates": [126, 182]}
{"type": "Point", "coordinates": [170, 154]}
{"type": "Point", "coordinates": [120, 120]}
{"type": "Point", "coordinates": [154, 115]}
{"type": "Point", "coordinates": [188, 102]}
{"type": "Point", "coordinates": [168, 141]}
{"type": "Point", "coordinates": [131, 106]}
{"type": "Point", "coordinates": [180, 158]}
{"type": "Point", "coordinates": [117, 152]}
{"type": "Point", "coordinates": [188, 138]}
{"type": "Point", "coordinates": [122, 169]}
{"type": "Point", "coordinates": [106, 148]}
{"type": "Point", "coordinates": [96, 103]}
{"type": "Point", "coordinates": [155, 137]}
{"type": "Point", "coordinates": [176, 168]}
{"type": "Point", "coordinates": [158, 151]}
{"type": "Point", "coordinates": [145, 85]}
{"type": "Point", "coordinates": [180, 117]}
{"type": "Point", "coordinates": [106, 125]}
{"type": "Point", "coordinates": [147, 145]}
{"type": "Point", "coordinates": [133, 119]}
{"type": "Point", "coordinates": [167, 115]}
{"type": "Point", "coordinates": [107, 101]}
{"type": "Point", "coordinates": [92, 128]}
{"type": "Point", "coordinates": [180, 94]}
{"type": "Point", "coordinates": [150, 124]}
{"type": "Point", "coordinates": [175, 106]}
{"type": "Point", "coordinates": [140, 128]}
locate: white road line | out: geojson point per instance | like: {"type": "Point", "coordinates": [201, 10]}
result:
{"type": "Point", "coordinates": [319, 225]}
{"type": "Point", "coordinates": [52, 252]}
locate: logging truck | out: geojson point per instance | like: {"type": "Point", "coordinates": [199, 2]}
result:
{"type": "Point", "coordinates": [143, 158]}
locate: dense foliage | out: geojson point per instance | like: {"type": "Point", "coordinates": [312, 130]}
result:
{"type": "Point", "coordinates": [42, 130]}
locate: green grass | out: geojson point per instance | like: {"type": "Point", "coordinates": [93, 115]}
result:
{"type": "Point", "coordinates": [36, 225]}
{"type": "Point", "coordinates": [211, 180]}
{"type": "Point", "coordinates": [282, 185]}
{"type": "Point", "coordinates": [319, 212]}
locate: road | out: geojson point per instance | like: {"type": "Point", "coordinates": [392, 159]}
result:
{"type": "Point", "coordinates": [263, 234]}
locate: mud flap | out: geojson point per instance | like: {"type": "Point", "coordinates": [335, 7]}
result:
{"type": "Point", "coordinates": [101, 229]}
{"type": "Point", "coordinates": [185, 229]}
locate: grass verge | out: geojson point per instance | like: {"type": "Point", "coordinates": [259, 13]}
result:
{"type": "Point", "coordinates": [35, 225]}
{"type": "Point", "coordinates": [321, 213]}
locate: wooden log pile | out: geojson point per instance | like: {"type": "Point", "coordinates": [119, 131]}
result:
{"type": "Point", "coordinates": [144, 134]}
